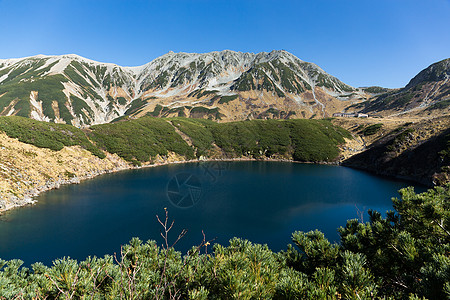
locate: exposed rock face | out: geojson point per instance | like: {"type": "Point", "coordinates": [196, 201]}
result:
{"type": "Point", "coordinates": [224, 85]}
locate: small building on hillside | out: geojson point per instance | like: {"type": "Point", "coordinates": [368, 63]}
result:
{"type": "Point", "coordinates": [345, 115]}
{"type": "Point", "coordinates": [350, 115]}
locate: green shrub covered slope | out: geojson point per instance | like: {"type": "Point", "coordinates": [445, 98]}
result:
{"type": "Point", "coordinates": [143, 139]}
{"type": "Point", "coordinates": [301, 140]}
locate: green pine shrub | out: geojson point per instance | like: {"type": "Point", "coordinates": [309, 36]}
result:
{"type": "Point", "coordinates": [402, 256]}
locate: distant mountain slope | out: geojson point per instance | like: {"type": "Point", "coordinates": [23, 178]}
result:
{"type": "Point", "coordinates": [229, 71]}
{"type": "Point", "coordinates": [235, 86]}
{"type": "Point", "coordinates": [428, 93]}
{"type": "Point", "coordinates": [68, 89]}
{"type": "Point", "coordinates": [224, 85]}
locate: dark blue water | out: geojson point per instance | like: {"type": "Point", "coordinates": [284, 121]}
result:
{"type": "Point", "coordinates": [264, 202]}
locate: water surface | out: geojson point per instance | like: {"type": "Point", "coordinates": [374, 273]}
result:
{"type": "Point", "coordinates": [264, 202]}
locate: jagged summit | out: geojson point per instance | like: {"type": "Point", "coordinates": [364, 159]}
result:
{"type": "Point", "coordinates": [226, 85]}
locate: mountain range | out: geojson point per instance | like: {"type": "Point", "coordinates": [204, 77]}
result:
{"type": "Point", "coordinates": [223, 85]}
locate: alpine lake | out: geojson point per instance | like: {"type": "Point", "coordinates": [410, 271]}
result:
{"type": "Point", "coordinates": [264, 202]}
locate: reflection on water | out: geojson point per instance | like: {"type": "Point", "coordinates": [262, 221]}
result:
{"type": "Point", "coordinates": [264, 202]}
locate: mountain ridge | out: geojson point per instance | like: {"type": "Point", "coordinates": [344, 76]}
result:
{"type": "Point", "coordinates": [76, 90]}
{"type": "Point", "coordinates": [77, 56]}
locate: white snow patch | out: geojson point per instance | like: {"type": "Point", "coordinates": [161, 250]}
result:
{"type": "Point", "coordinates": [166, 93]}
{"type": "Point", "coordinates": [298, 99]}
{"type": "Point", "coordinates": [60, 66]}
{"type": "Point", "coordinates": [35, 115]}
{"type": "Point", "coordinates": [37, 112]}
{"type": "Point", "coordinates": [71, 88]}
{"type": "Point", "coordinates": [4, 77]}
{"type": "Point", "coordinates": [226, 77]}
{"type": "Point", "coordinates": [47, 63]}
{"type": "Point", "coordinates": [10, 112]}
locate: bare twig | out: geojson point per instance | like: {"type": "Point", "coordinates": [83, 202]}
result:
{"type": "Point", "coordinates": [360, 213]}
{"type": "Point", "coordinates": [166, 285]}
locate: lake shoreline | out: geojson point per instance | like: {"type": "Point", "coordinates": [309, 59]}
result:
{"type": "Point", "coordinates": [28, 196]}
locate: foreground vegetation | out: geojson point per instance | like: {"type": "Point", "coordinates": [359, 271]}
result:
{"type": "Point", "coordinates": [402, 256]}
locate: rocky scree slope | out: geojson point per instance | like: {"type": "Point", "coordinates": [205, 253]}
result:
{"type": "Point", "coordinates": [223, 85]}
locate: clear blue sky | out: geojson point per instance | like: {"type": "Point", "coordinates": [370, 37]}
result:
{"type": "Point", "coordinates": [362, 42]}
